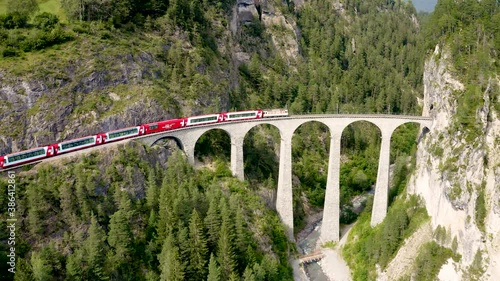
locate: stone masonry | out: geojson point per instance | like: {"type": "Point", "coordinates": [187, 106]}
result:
{"type": "Point", "coordinates": [287, 126]}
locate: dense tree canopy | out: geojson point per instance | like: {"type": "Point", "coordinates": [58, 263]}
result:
{"type": "Point", "coordinates": [118, 236]}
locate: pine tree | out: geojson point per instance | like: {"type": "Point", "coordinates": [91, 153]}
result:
{"type": "Point", "coordinates": [152, 192]}
{"type": "Point", "coordinates": [151, 228]}
{"type": "Point", "coordinates": [234, 277]}
{"type": "Point", "coordinates": [248, 274]}
{"type": "Point", "coordinates": [225, 252]}
{"type": "Point", "coordinates": [198, 248]}
{"type": "Point", "coordinates": [212, 224]}
{"type": "Point", "coordinates": [120, 239]}
{"type": "Point", "coordinates": [171, 267]}
{"type": "Point", "coordinates": [95, 249]}
{"type": "Point", "coordinates": [226, 216]}
{"type": "Point", "coordinates": [23, 270]}
{"type": "Point", "coordinates": [214, 273]}
{"type": "Point", "coordinates": [241, 238]}
{"type": "Point", "coordinates": [183, 244]}
{"type": "Point", "coordinates": [165, 207]}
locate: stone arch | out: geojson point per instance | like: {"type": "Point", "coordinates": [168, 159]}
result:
{"type": "Point", "coordinates": [312, 174]}
{"type": "Point", "coordinates": [252, 125]}
{"type": "Point", "coordinates": [402, 141]}
{"type": "Point", "coordinates": [163, 139]}
{"type": "Point", "coordinates": [358, 177]}
{"type": "Point", "coordinates": [207, 139]}
{"type": "Point", "coordinates": [349, 126]}
{"type": "Point", "coordinates": [257, 164]}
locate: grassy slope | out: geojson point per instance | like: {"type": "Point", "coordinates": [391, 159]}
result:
{"type": "Point", "coordinates": [88, 53]}
{"type": "Point", "coordinates": [50, 6]}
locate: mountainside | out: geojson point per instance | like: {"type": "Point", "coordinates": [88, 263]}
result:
{"type": "Point", "coordinates": [457, 170]}
{"type": "Point", "coordinates": [458, 176]}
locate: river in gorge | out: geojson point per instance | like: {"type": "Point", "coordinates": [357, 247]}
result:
{"type": "Point", "coordinates": [306, 246]}
{"type": "Point", "coordinates": [307, 239]}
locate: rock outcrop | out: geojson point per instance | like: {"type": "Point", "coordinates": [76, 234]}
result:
{"type": "Point", "coordinates": [247, 10]}
{"type": "Point", "coordinates": [454, 170]}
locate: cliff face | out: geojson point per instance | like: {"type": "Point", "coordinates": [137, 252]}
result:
{"type": "Point", "coordinates": [103, 81]}
{"type": "Point", "coordinates": [77, 99]}
{"type": "Point", "coordinates": [458, 176]}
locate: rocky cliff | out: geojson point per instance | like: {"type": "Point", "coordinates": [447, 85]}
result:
{"type": "Point", "coordinates": [103, 81]}
{"type": "Point", "coordinates": [458, 173]}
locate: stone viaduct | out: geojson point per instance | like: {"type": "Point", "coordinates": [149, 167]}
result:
{"type": "Point", "coordinates": [187, 138]}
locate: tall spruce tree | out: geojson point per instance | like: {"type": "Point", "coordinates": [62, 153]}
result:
{"type": "Point", "coordinates": [152, 192]}
{"type": "Point", "coordinates": [212, 224]}
{"type": "Point", "coordinates": [121, 241]}
{"type": "Point", "coordinates": [96, 248]}
{"type": "Point", "coordinates": [214, 273]}
{"type": "Point", "coordinates": [198, 248]}
{"type": "Point", "coordinates": [87, 262]}
{"type": "Point", "coordinates": [241, 238]}
{"type": "Point", "coordinates": [225, 252]}
{"type": "Point", "coordinates": [183, 244]}
{"type": "Point", "coordinates": [172, 269]}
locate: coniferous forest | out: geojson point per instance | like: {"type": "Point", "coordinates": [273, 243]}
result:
{"type": "Point", "coordinates": [138, 213]}
{"type": "Point", "coordinates": [125, 216]}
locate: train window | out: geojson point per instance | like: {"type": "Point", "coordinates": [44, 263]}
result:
{"type": "Point", "coordinates": [123, 133]}
{"type": "Point", "coordinates": [198, 120]}
{"type": "Point", "coordinates": [153, 127]}
{"type": "Point", "coordinates": [19, 157]}
{"type": "Point", "coordinates": [69, 145]}
{"type": "Point", "coordinates": [242, 115]}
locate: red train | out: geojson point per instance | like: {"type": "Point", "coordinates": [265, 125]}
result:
{"type": "Point", "coordinates": [27, 156]}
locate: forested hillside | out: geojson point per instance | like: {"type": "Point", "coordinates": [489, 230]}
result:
{"type": "Point", "coordinates": [125, 214]}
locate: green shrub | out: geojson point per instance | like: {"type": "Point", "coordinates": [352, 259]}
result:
{"type": "Point", "coordinates": [9, 52]}
{"type": "Point", "coordinates": [429, 260]}
{"type": "Point", "coordinates": [480, 210]}
{"type": "Point", "coordinates": [13, 20]}
{"type": "Point", "coordinates": [45, 21]}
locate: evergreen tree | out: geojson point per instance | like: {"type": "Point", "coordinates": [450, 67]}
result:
{"type": "Point", "coordinates": [87, 262]}
{"type": "Point", "coordinates": [152, 192]}
{"type": "Point", "coordinates": [184, 246]}
{"type": "Point", "coordinates": [241, 238]}
{"type": "Point", "coordinates": [259, 272]}
{"type": "Point", "coordinates": [151, 228]}
{"type": "Point", "coordinates": [214, 273]}
{"type": "Point", "coordinates": [198, 248]}
{"type": "Point", "coordinates": [212, 224]}
{"type": "Point", "coordinates": [248, 274]}
{"type": "Point", "coordinates": [95, 249]}
{"type": "Point", "coordinates": [47, 263]}
{"type": "Point", "coordinates": [172, 269]}
{"type": "Point", "coordinates": [225, 251]}
{"type": "Point", "coordinates": [165, 209]}
{"type": "Point", "coordinates": [121, 241]}
{"type": "Point", "coordinates": [23, 270]}
{"type": "Point", "coordinates": [42, 270]}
